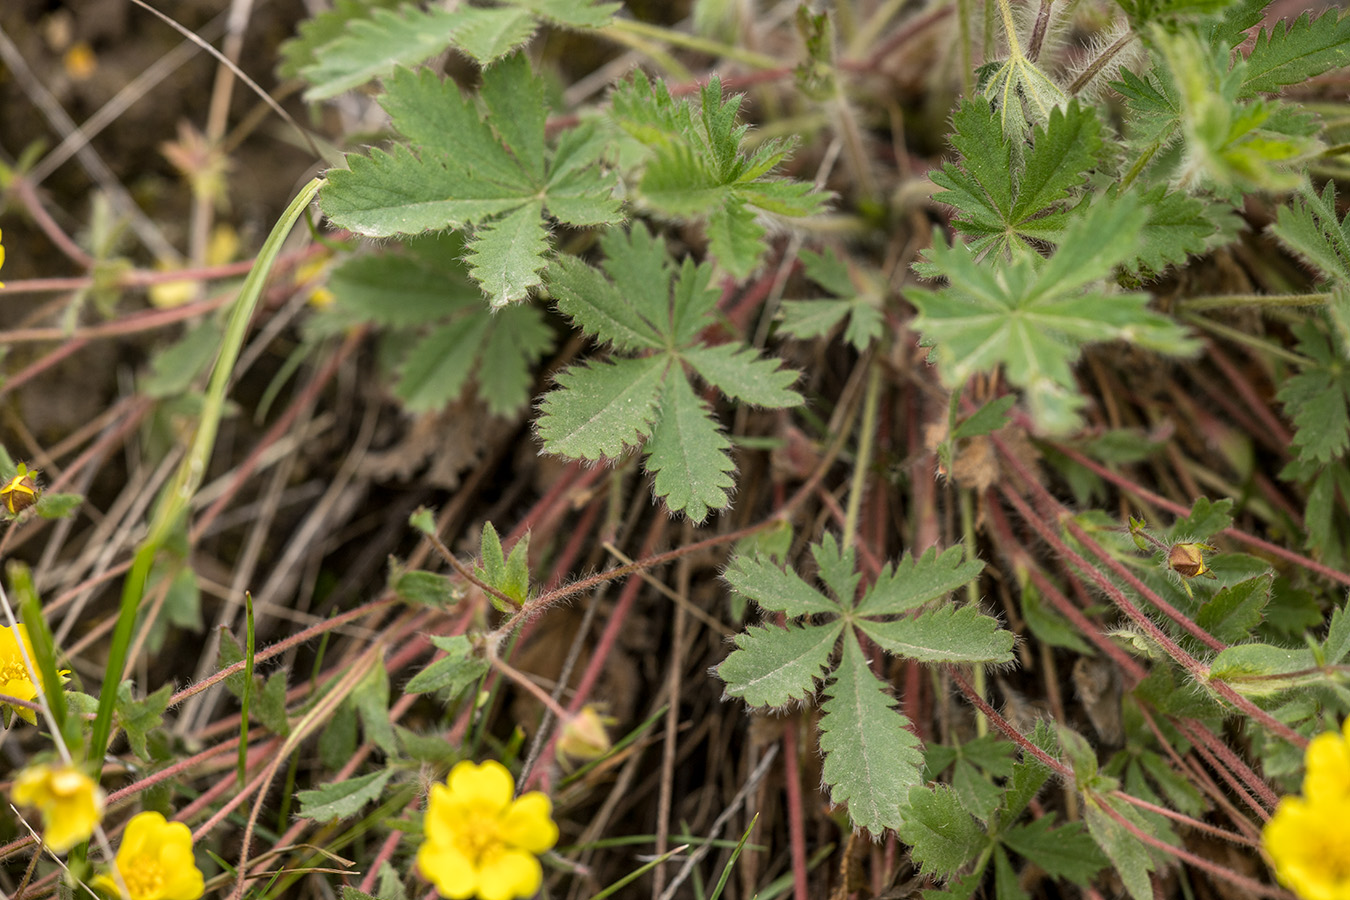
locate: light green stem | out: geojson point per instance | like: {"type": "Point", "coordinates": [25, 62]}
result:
{"type": "Point", "coordinates": [1239, 336]}
{"type": "Point", "coordinates": [1229, 301]}
{"type": "Point", "coordinates": [173, 502]}
{"type": "Point", "coordinates": [863, 460]}
{"type": "Point", "coordinates": [1010, 28]}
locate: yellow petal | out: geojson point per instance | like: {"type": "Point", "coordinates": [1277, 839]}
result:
{"type": "Point", "coordinates": [528, 824]}
{"type": "Point", "coordinates": [449, 870]}
{"type": "Point", "coordinates": [489, 786]}
{"type": "Point", "coordinates": [1328, 761]}
{"type": "Point", "coordinates": [508, 875]}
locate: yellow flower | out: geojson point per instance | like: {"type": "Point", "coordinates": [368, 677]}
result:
{"type": "Point", "coordinates": [1328, 761]}
{"type": "Point", "coordinates": [480, 841]}
{"type": "Point", "coordinates": [155, 861]}
{"type": "Point", "coordinates": [1307, 838]}
{"type": "Point", "coordinates": [70, 802]}
{"type": "Point", "coordinates": [1310, 845]}
{"type": "Point", "coordinates": [15, 679]}
{"type": "Point", "coordinates": [2, 255]}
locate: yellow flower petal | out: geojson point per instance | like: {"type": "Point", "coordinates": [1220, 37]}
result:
{"type": "Point", "coordinates": [70, 802]}
{"type": "Point", "coordinates": [155, 860]}
{"type": "Point", "coordinates": [450, 871]}
{"type": "Point", "coordinates": [1328, 761]}
{"type": "Point", "coordinates": [528, 824]}
{"type": "Point", "coordinates": [1310, 846]}
{"type": "Point", "coordinates": [508, 875]}
{"type": "Point", "coordinates": [489, 785]}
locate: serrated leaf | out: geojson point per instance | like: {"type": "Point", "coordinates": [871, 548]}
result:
{"type": "Point", "coordinates": [836, 567]}
{"type": "Point", "coordinates": [693, 302]}
{"type": "Point", "coordinates": [437, 368]}
{"type": "Point", "coordinates": [425, 589]}
{"type": "Point", "coordinates": [517, 339]}
{"type": "Point", "coordinates": [316, 34]}
{"type": "Point", "coordinates": [456, 671]}
{"type": "Point", "coordinates": [585, 296]}
{"type": "Point", "coordinates": [1066, 852]}
{"type": "Point", "coordinates": [398, 290]}
{"type": "Point", "coordinates": [942, 837]}
{"type": "Point", "coordinates": [371, 699]}
{"type": "Point", "coordinates": [772, 666]}
{"type": "Point", "coordinates": [573, 13]}
{"type": "Point", "coordinates": [915, 582]}
{"type": "Point", "coordinates": [946, 634]}
{"type": "Point", "coordinates": [687, 452]}
{"type": "Point", "coordinates": [735, 238]}
{"type": "Point", "coordinates": [639, 268]}
{"type": "Point", "coordinates": [978, 795]}
{"type": "Point", "coordinates": [1126, 852]}
{"type": "Point", "coordinates": [1311, 228]}
{"type": "Point", "coordinates": [487, 34]}
{"type": "Point", "coordinates": [1337, 644]}
{"type": "Point", "coordinates": [1316, 398]}
{"type": "Point", "coordinates": [369, 48]}
{"type": "Point", "coordinates": [1033, 318]}
{"type": "Point", "coordinates": [271, 704]}
{"type": "Point", "coordinates": [871, 759]}
{"type": "Point", "coordinates": [507, 255]}
{"type": "Point", "coordinates": [139, 717]}
{"type": "Point", "coordinates": [1291, 54]}
{"type": "Point", "coordinates": [1177, 227]}
{"type": "Point", "coordinates": [1233, 613]}
{"type": "Point", "coordinates": [343, 798]}
{"type": "Point", "coordinates": [773, 588]}
{"type": "Point", "coordinates": [742, 374]}
{"type": "Point", "coordinates": [602, 408]}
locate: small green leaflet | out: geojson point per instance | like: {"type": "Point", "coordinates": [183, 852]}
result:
{"type": "Point", "coordinates": [1033, 316]}
{"type": "Point", "coordinates": [999, 200]}
{"type": "Point", "coordinates": [872, 760]}
{"type": "Point", "coordinates": [489, 172]}
{"type": "Point", "coordinates": [942, 837]}
{"type": "Point", "coordinates": [343, 798]}
{"type": "Point", "coordinates": [1291, 54]}
{"type": "Point", "coordinates": [697, 168]}
{"type": "Point", "coordinates": [817, 318]}
{"type": "Point", "coordinates": [360, 41]}
{"type": "Point", "coordinates": [640, 303]}
{"type": "Point", "coordinates": [1316, 398]}
{"type": "Point", "coordinates": [453, 339]}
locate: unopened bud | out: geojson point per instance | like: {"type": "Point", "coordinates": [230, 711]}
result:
{"type": "Point", "coordinates": [584, 738]}
{"type": "Point", "coordinates": [1188, 560]}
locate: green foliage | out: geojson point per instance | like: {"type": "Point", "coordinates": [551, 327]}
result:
{"type": "Point", "coordinates": [642, 304]}
{"type": "Point", "coordinates": [508, 574]}
{"type": "Point", "coordinates": [1033, 316]}
{"type": "Point", "coordinates": [360, 40]}
{"type": "Point", "coordinates": [699, 165]}
{"type": "Point", "coordinates": [341, 799]}
{"type": "Point", "coordinates": [424, 301]}
{"type": "Point", "coordinates": [871, 758]}
{"type": "Point", "coordinates": [1291, 54]}
{"type": "Point", "coordinates": [489, 171]}
{"type": "Point", "coordinates": [452, 673]}
{"type": "Point", "coordinates": [139, 717]}
{"type": "Point", "coordinates": [817, 318]}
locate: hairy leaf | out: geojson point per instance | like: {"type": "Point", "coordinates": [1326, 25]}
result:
{"type": "Point", "coordinates": [871, 758]}
{"type": "Point", "coordinates": [942, 837]}
{"type": "Point", "coordinates": [914, 582]}
{"type": "Point", "coordinates": [773, 666]}
{"type": "Point", "coordinates": [687, 452]}
{"type": "Point", "coordinates": [601, 408]}
{"type": "Point", "coordinates": [780, 590]}
{"type": "Point", "coordinates": [946, 634]}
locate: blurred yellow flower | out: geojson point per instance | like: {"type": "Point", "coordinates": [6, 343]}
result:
{"type": "Point", "coordinates": [2, 254]}
{"type": "Point", "coordinates": [15, 679]}
{"type": "Point", "coordinates": [70, 802]}
{"type": "Point", "coordinates": [1307, 838]}
{"type": "Point", "coordinates": [155, 861]}
{"type": "Point", "coordinates": [481, 842]}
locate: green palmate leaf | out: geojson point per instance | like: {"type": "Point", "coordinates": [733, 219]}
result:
{"type": "Point", "coordinates": [462, 167]}
{"type": "Point", "coordinates": [1034, 316]}
{"type": "Point", "coordinates": [780, 590]}
{"type": "Point", "coordinates": [508, 574]}
{"type": "Point", "coordinates": [687, 452]}
{"type": "Point", "coordinates": [343, 798]}
{"type": "Point", "coordinates": [1177, 227]}
{"type": "Point", "coordinates": [1291, 54]}
{"type": "Point", "coordinates": [836, 568]}
{"type": "Point", "coordinates": [817, 318]}
{"type": "Point", "coordinates": [488, 34]}
{"type": "Point", "coordinates": [872, 759]}
{"type": "Point", "coordinates": [942, 837]}
{"type": "Point", "coordinates": [426, 285]}
{"type": "Point", "coordinates": [946, 634]}
{"type": "Point", "coordinates": [698, 167]}
{"type": "Point", "coordinates": [602, 408]}
{"type": "Point", "coordinates": [1316, 398]}
{"type": "Point", "coordinates": [998, 200]}
{"type": "Point", "coordinates": [773, 666]}
{"type": "Point", "coordinates": [139, 717]}
{"type": "Point", "coordinates": [642, 304]}
{"type": "Point", "coordinates": [1066, 852]}
{"type": "Point", "coordinates": [453, 673]}
{"type": "Point", "coordinates": [915, 582]}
